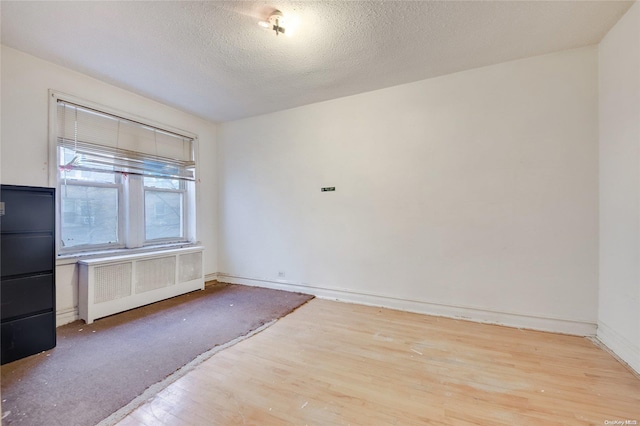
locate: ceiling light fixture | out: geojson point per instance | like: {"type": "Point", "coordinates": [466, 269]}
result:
{"type": "Point", "coordinates": [275, 22]}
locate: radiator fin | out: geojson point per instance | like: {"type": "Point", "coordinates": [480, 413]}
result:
{"type": "Point", "coordinates": [152, 274]}
{"type": "Point", "coordinates": [112, 282]}
{"type": "Point", "coordinates": [190, 266]}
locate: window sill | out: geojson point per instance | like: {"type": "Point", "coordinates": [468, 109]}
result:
{"type": "Point", "coordinates": [68, 259]}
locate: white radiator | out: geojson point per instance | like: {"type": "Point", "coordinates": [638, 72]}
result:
{"type": "Point", "coordinates": [116, 284]}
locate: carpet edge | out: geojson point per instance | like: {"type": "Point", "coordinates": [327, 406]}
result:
{"type": "Point", "coordinates": [158, 387]}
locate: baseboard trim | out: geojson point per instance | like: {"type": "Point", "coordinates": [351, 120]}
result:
{"type": "Point", "coordinates": [621, 348]}
{"type": "Point", "coordinates": [65, 316]}
{"type": "Point", "coordinates": [555, 325]}
{"type": "Point", "coordinates": [211, 277]}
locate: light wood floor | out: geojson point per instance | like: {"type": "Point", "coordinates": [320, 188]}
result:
{"type": "Point", "coordinates": [330, 363]}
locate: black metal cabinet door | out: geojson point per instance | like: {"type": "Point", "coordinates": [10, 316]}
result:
{"type": "Point", "coordinates": [27, 209]}
{"type": "Point", "coordinates": [27, 271]}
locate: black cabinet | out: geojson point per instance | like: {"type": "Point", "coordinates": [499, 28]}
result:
{"type": "Point", "coordinates": [27, 271]}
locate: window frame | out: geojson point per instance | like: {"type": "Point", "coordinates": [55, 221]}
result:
{"type": "Point", "coordinates": [131, 225]}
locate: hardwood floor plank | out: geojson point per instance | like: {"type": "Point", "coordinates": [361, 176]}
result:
{"type": "Point", "coordinates": [331, 363]}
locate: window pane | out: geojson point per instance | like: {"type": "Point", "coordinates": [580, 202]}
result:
{"type": "Point", "coordinates": [68, 158]}
{"type": "Point", "coordinates": [154, 182]}
{"type": "Point", "coordinates": [162, 214]}
{"type": "Point", "coordinates": [89, 215]}
{"type": "Point", "coordinates": [86, 176]}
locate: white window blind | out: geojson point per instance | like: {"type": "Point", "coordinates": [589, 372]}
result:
{"type": "Point", "coordinates": [100, 141]}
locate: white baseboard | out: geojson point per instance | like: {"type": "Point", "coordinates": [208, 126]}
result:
{"type": "Point", "coordinates": [619, 345]}
{"type": "Point", "coordinates": [556, 325]}
{"type": "Point", "coordinates": [211, 277]}
{"type": "Point", "coordinates": [65, 316]}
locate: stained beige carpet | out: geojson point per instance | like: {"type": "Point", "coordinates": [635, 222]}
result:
{"type": "Point", "coordinates": [97, 369]}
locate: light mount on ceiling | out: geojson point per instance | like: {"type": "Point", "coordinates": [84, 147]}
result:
{"type": "Point", "coordinates": [275, 22]}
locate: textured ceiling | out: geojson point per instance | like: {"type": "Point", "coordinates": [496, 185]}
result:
{"type": "Point", "coordinates": [211, 59]}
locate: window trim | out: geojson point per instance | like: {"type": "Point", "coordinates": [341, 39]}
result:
{"type": "Point", "coordinates": [124, 207]}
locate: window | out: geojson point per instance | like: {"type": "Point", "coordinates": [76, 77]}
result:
{"type": "Point", "coordinates": [163, 208]}
{"type": "Point", "coordinates": [89, 213]}
{"type": "Point", "coordinates": [121, 183]}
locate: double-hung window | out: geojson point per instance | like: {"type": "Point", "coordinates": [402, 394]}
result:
{"type": "Point", "coordinates": [164, 201]}
{"type": "Point", "coordinates": [122, 184]}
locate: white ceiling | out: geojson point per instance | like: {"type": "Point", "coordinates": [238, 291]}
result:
{"type": "Point", "coordinates": [210, 58]}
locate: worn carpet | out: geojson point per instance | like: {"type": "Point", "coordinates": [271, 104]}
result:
{"type": "Point", "coordinates": [97, 369]}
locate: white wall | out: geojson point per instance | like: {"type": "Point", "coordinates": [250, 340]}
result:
{"type": "Point", "coordinates": [619, 296]}
{"type": "Point", "coordinates": [473, 194]}
{"type": "Point", "coordinates": [25, 82]}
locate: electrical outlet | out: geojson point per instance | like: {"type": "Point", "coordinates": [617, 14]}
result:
{"type": "Point", "coordinates": [281, 274]}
